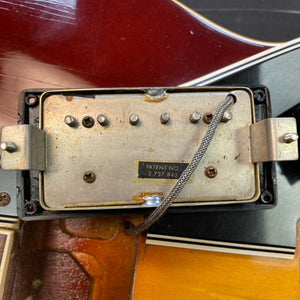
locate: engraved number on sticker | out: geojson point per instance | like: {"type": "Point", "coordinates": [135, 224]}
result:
{"type": "Point", "coordinates": [161, 170]}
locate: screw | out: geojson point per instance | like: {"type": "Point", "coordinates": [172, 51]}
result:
{"type": "Point", "coordinates": [4, 199]}
{"type": "Point", "coordinates": [266, 197]}
{"type": "Point", "coordinates": [207, 118]}
{"type": "Point", "coordinates": [70, 121]}
{"type": "Point", "coordinates": [89, 176]}
{"type": "Point", "coordinates": [30, 207]}
{"type": "Point", "coordinates": [8, 146]}
{"type": "Point", "coordinates": [88, 122]}
{"type": "Point", "coordinates": [31, 100]}
{"type": "Point", "coordinates": [259, 95]}
{"type": "Point", "coordinates": [133, 119]}
{"type": "Point", "coordinates": [290, 137]}
{"type": "Point", "coordinates": [211, 172]}
{"type": "Point", "coordinates": [164, 118]}
{"type": "Point", "coordinates": [227, 116]}
{"type": "Point", "coordinates": [102, 120]}
{"type": "Point", "coordinates": [195, 117]}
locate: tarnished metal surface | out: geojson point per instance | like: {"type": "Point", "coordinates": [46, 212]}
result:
{"type": "Point", "coordinates": [30, 148]}
{"type": "Point", "coordinates": [112, 152]}
{"type": "Point", "coordinates": [274, 140]}
{"type": "Point", "coordinates": [8, 184]}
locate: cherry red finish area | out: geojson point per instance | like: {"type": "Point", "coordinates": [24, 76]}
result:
{"type": "Point", "coordinates": [107, 43]}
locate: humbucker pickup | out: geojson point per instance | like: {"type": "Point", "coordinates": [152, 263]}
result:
{"type": "Point", "coordinates": [125, 148]}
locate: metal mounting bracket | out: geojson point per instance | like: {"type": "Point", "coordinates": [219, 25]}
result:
{"type": "Point", "coordinates": [274, 139]}
{"type": "Point", "coordinates": [23, 148]}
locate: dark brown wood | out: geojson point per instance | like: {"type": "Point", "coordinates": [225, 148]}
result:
{"type": "Point", "coordinates": [73, 259]}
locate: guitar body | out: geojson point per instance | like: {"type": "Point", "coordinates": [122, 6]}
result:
{"type": "Point", "coordinates": [82, 44]}
{"type": "Point", "coordinates": [74, 44]}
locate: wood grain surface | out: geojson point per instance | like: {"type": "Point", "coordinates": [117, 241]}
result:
{"type": "Point", "coordinates": [74, 259]}
{"type": "Point", "coordinates": [173, 273]}
{"type": "Point", "coordinates": [93, 259]}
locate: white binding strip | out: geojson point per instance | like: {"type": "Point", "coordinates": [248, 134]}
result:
{"type": "Point", "coordinates": [220, 249]}
{"type": "Point", "coordinates": [244, 64]}
{"type": "Point", "coordinates": [248, 246]}
{"type": "Point", "coordinates": [178, 242]}
{"type": "Point", "coordinates": [6, 257]}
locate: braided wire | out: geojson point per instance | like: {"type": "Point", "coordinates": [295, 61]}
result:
{"type": "Point", "coordinates": [185, 176]}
